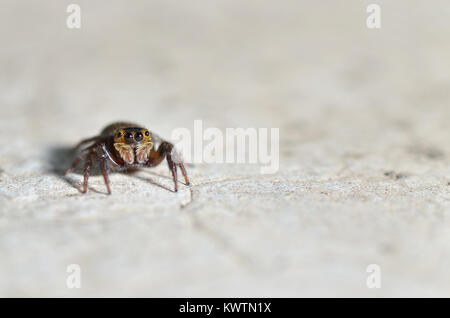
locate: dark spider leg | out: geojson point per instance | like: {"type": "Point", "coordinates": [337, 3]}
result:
{"type": "Point", "coordinates": [173, 169]}
{"type": "Point", "coordinates": [165, 151]}
{"type": "Point", "coordinates": [87, 171]}
{"type": "Point", "coordinates": [104, 167]}
{"type": "Point", "coordinates": [183, 171]}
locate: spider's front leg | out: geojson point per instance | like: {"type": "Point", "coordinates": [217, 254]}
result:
{"type": "Point", "coordinates": [88, 153]}
{"type": "Point", "coordinates": [167, 150]}
{"type": "Point", "coordinates": [93, 152]}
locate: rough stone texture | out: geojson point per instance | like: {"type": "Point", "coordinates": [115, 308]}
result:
{"type": "Point", "coordinates": [364, 148]}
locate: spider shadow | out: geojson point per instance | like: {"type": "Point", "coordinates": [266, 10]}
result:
{"type": "Point", "coordinates": [158, 175]}
{"type": "Point", "coordinates": [151, 181]}
{"type": "Point", "coordinates": [59, 158]}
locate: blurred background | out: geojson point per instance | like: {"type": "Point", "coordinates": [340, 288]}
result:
{"type": "Point", "coordinates": [364, 143]}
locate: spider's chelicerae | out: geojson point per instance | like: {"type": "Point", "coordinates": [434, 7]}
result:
{"type": "Point", "coordinates": [125, 145]}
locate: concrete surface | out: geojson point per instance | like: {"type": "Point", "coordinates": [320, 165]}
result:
{"type": "Point", "coordinates": [364, 148]}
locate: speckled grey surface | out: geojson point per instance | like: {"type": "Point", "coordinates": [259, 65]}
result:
{"type": "Point", "coordinates": [364, 148]}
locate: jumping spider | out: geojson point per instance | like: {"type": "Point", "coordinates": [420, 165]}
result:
{"type": "Point", "coordinates": [125, 145]}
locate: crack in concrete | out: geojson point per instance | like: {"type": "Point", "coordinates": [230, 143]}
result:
{"type": "Point", "coordinates": [220, 239]}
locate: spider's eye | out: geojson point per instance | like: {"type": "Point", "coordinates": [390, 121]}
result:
{"type": "Point", "coordinates": [119, 134]}
{"type": "Point", "coordinates": [147, 133]}
{"type": "Point", "coordinates": [138, 136]}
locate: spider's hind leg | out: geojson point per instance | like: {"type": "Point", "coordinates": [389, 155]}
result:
{"type": "Point", "coordinates": [85, 141]}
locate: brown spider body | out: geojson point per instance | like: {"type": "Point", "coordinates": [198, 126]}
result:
{"type": "Point", "coordinates": [122, 146]}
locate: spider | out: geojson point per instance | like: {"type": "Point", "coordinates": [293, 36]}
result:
{"type": "Point", "coordinates": [126, 145]}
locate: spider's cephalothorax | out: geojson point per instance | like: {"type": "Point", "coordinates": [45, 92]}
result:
{"type": "Point", "coordinates": [133, 144]}
{"type": "Point", "coordinates": [126, 145]}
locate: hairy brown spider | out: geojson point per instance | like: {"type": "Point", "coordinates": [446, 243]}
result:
{"type": "Point", "coordinates": [125, 145]}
